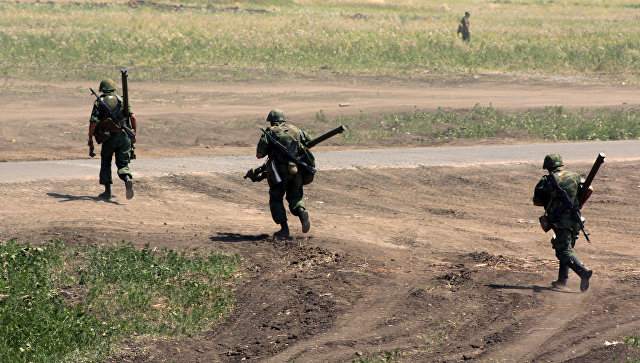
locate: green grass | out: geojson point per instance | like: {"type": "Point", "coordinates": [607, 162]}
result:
{"type": "Point", "coordinates": [59, 304]}
{"type": "Point", "coordinates": [632, 341]}
{"type": "Point", "coordinates": [550, 123]}
{"type": "Point", "coordinates": [204, 40]}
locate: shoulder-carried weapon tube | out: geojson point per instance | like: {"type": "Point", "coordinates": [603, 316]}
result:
{"type": "Point", "coordinates": [125, 93]}
{"type": "Point", "coordinates": [592, 174]}
{"type": "Point", "coordinates": [338, 130]}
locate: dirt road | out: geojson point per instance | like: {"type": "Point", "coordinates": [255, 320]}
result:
{"type": "Point", "coordinates": [351, 159]}
{"type": "Point", "coordinates": [441, 262]}
{"type": "Point", "coordinates": [49, 121]}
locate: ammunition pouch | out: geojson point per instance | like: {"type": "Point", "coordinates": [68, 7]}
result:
{"type": "Point", "coordinates": [104, 128]}
{"type": "Point", "coordinates": [544, 223]}
{"type": "Point", "coordinates": [292, 168]}
{"type": "Point", "coordinates": [310, 160]}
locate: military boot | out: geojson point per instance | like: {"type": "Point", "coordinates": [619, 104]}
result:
{"type": "Point", "coordinates": [128, 183]}
{"type": "Point", "coordinates": [283, 232]}
{"type": "Point", "coordinates": [304, 219]}
{"type": "Point", "coordinates": [107, 192]}
{"type": "Point", "coordinates": [563, 275]}
{"type": "Point", "coordinates": [583, 272]}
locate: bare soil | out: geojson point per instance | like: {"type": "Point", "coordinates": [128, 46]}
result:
{"type": "Point", "coordinates": [443, 264]}
{"type": "Point", "coordinates": [50, 121]}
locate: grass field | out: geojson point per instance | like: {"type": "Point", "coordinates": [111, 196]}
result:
{"type": "Point", "coordinates": [59, 304]}
{"type": "Point", "coordinates": [206, 40]}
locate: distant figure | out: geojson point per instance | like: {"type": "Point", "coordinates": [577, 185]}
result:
{"type": "Point", "coordinates": [465, 27]}
{"type": "Point", "coordinates": [560, 219]}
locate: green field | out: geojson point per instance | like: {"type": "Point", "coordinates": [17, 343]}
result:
{"type": "Point", "coordinates": [59, 304]}
{"type": "Point", "coordinates": [211, 40]}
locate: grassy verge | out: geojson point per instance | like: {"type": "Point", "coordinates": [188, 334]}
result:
{"type": "Point", "coordinates": [550, 123]}
{"type": "Point", "coordinates": [204, 40]}
{"type": "Point", "coordinates": [59, 304]}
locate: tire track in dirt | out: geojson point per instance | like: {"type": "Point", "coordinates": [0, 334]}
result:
{"type": "Point", "coordinates": [560, 313]}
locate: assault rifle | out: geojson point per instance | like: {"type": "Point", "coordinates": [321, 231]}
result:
{"type": "Point", "coordinates": [575, 210]}
{"type": "Point", "coordinates": [114, 117]}
{"type": "Point", "coordinates": [259, 173]}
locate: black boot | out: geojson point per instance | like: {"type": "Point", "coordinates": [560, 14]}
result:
{"type": "Point", "coordinates": [583, 272]}
{"type": "Point", "coordinates": [563, 275]}
{"type": "Point", "coordinates": [107, 192]}
{"type": "Point", "coordinates": [128, 183]}
{"type": "Point", "coordinates": [283, 232]}
{"type": "Point", "coordinates": [304, 219]}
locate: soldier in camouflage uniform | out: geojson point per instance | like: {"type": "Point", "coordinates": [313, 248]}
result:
{"type": "Point", "coordinates": [118, 143]}
{"type": "Point", "coordinates": [465, 27]}
{"type": "Point", "coordinates": [565, 227]}
{"type": "Point", "coordinates": [284, 177]}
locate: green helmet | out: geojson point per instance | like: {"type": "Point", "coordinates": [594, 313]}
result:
{"type": "Point", "coordinates": [552, 161]}
{"type": "Point", "coordinates": [107, 85]}
{"type": "Point", "coordinates": [276, 116]}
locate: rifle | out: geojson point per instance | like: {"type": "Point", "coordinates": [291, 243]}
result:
{"type": "Point", "coordinates": [259, 173]}
{"type": "Point", "coordinates": [289, 153]}
{"type": "Point", "coordinates": [115, 118]}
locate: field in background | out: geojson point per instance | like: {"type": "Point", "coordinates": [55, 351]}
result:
{"type": "Point", "coordinates": [205, 40]}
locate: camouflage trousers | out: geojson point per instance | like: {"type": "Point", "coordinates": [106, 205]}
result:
{"type": "Point", "coordinates": [291, 186]}
{"type": "Point", "coordinates": [119, 144]}
{"type": "Point", "coordinates": [564, 241]}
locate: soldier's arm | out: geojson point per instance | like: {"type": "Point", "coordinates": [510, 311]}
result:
{"type": "Point", "coordinates": [92, 128]}
{"type": "Point", "coordinates": [263, 147]}
{"type": "Point", "coordinates": [539, 193]}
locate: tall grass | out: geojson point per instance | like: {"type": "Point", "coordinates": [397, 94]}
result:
{"type": "Point", "coordinates": [59, 304]}
{"type": "Point", "coordinates": [207, 40]}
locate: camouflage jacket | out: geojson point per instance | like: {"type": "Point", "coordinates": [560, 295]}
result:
{"type": "Point", "coordinates": [545, 193]}
{"type": "Point", "coordinates": [115, 104]}
{"type": "Point", "coordinates": [285, 134]}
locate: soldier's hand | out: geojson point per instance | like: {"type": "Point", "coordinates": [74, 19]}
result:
{"type": "Point", "coordinates": [134, 139]}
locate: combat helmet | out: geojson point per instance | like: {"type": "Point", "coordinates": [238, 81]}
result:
{"type": "Point", "coordinates": [276, 116]}
{"type": "Point", "coordinates": [107, 85]}
{"type": "Point", "coordinates": [552, 161]}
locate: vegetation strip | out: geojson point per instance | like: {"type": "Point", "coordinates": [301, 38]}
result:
{"type": "Point", "coordinates": [62, 304]}
{"type": "Point", "coordinates": [197, 40]}
{"type": "Point", "coordinates": [550, 123]}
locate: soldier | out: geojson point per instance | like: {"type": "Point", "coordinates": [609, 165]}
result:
{"type": "Point", "coordinates": [564, 225]}
{"type": "Point", "coordinates": [116, 140]}
{"type": "Point", "coordinates": [284, 176]}
{"type": "Point", "coordinates": [465, 27]}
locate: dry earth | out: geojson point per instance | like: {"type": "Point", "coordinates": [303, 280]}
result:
{"type": "Point", "coordinates": [441, 263]}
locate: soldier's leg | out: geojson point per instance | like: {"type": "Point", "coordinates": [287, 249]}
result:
{"type": "Point", "coordinates": [123, 157]}
{"type": "Point", "coordinates": [295, 194]}
{"type": "Point", "coordinates": [106, 154]}
{"type": "Point", "coordinates": [276, 205]}
{"type": "Point", "coordinates": [565, 239]}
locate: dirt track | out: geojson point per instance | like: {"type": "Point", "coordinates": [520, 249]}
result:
{"type": "Point", "coordinates": [443, 263]}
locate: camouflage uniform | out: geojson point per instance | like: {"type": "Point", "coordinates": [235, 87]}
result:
{"type": "Point", "coordinates": [119, 143]}
{"type": "Point", "coordinates": [290, 176]}
{"type": "Point", "coordinates": [465, 24]}
{"type": "Point", "coordinates": [566, 229]}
